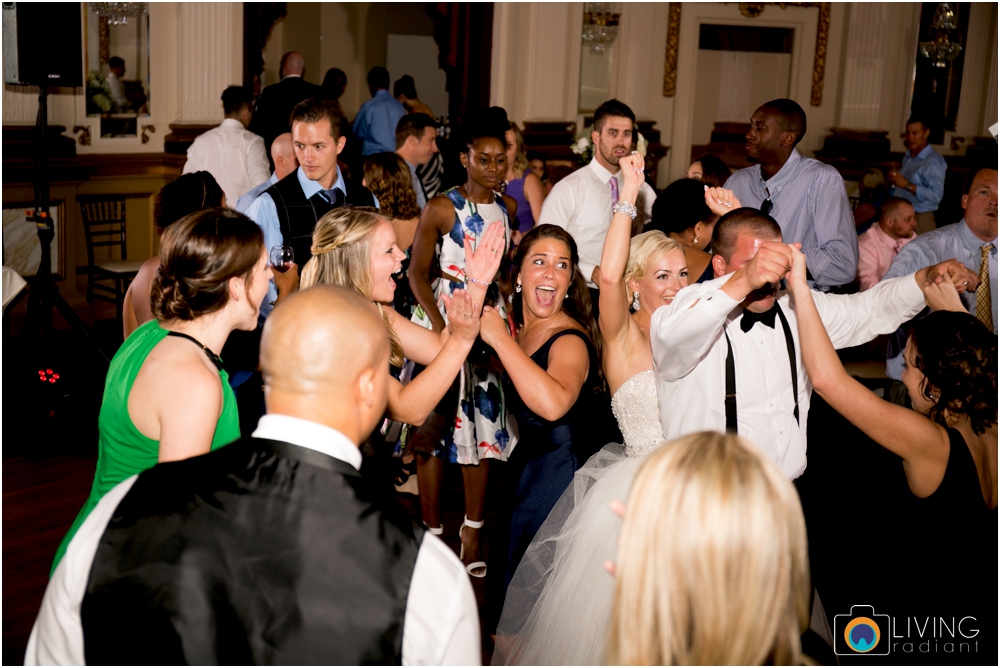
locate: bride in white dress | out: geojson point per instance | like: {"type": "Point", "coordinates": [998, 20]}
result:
{"type": "Point", "coordinates": [559, 603]}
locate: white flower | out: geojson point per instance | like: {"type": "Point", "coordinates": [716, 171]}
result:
{"type": "Point", "coordinates": [641, 145]}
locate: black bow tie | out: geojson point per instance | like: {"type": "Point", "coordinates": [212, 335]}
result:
{"type": "Point", "coordinates": [766, 318]}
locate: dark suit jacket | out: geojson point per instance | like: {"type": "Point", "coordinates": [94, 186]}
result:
{"type": "Point", "coordinates": [275, 104]}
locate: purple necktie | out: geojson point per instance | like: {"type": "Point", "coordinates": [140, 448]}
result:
{"type": "Point", "coordinates": [614, 191]}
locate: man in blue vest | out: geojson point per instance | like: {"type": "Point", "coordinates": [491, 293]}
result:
{"type": "Point", "coordinates": [288, 211]}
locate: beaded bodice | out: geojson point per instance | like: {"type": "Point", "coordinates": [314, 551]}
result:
{"type": "Point", "coordinates": [638, 414]}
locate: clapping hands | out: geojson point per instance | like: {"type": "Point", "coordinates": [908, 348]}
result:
{"type": "Point", "coordinates": [482, 264]}
{"type": "Point", "coordinates": [463, 316]}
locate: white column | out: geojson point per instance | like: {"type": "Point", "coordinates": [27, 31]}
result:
{"type": "Point", "coordinates": [864, 65]}
{"type": "Point", "coordinates": [553, 74]}
{"type": "Point", "coordinates": [990, 108]}
{"type": "Point", "coordinates": [980, 41]}
{"type": "Point", "coordinates": [209, 58]}
{"type": "Point", "coordinates": [637, 65]}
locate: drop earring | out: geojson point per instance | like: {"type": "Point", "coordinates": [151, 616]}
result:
{"type": "Point", "coordinates": [696, 237]}
{"type": "Point", "coordinates": [635, 301]}
{"type": "Point", "coordinates": [517, 288]}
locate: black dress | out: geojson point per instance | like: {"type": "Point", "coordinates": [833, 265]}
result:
{"type": "Point", "coordinates": [541, 468]}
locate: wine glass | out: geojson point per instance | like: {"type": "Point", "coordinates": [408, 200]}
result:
{"type": "Point", "coordinates": [281, 258]}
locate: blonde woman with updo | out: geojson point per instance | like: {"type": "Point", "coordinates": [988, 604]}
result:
{"type": "Point", "coordinates": [713, 567]}
{"type": "Point", "coordinates": [167, 396]}
{"type": "Point", "coordinates": [355, 247]}
{"type": "Point", "coordinates": [562, 568]}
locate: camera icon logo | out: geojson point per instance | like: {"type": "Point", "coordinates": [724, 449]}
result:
{"type": "Point", "coordinates": [861, 632]}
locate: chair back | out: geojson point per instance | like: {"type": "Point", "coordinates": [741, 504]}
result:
{"type": "Point", "coordinates": [103, 223]}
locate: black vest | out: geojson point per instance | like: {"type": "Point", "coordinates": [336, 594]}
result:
{"type": "Point", "coordinates": [297, 216]}
{"type": "Point", "coordinates": [261, 552]}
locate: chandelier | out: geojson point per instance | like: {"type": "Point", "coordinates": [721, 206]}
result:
{"type": "Point", "coordinates": [942, 47]}
{"type": "Point", "coordinates": [600, 25]}
{"type": "Point", "coordinates": [118, 13]}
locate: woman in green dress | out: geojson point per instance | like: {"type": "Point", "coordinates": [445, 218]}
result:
{"type": "Point", "coordinates": [166, 396]}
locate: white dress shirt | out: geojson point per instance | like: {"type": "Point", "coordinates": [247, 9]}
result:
{"type": "Point", "coordinates": [440, 625]}
{"type": "Point", "coordinates": [581, 205]}
{"type": "Point", "coordinates": [117, 90]}
{"type": "Point", "coordinates": [689, 360]}
{"type": "Point", "coordinates": [233, 155]}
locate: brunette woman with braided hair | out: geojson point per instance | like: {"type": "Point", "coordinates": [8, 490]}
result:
{"type": "Point", "coordinates": [167, 396]}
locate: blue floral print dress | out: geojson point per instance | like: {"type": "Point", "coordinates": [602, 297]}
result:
{"type": "Point", "coordinates": [481, 421]}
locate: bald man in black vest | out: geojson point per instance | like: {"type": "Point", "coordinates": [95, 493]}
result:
{"type": "Point", "coordinates": [272, 550]}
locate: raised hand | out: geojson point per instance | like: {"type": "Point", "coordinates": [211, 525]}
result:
{"type": "Point", "coordinates": [943, 297]}
{"type": "Point", "coordinates": [797, 277]}
{"type": "Point", "coordinates": [769, 265]}
{"type": "Point", "coordinates": [482, 264]}
{"type": "Point", "coordinates": [632, 167]}
{"type": "Point", "coordinates": [463, 320]}
{"type": "Point", "coordinates": [492, 326]}
{"type": "Point", "coordinates": [952, 271]}
{"type": "Point", "coordinates": [720, 200]}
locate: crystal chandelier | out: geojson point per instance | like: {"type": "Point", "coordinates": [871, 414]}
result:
{"type": "Point", "coordinates": [600, 25]}
{"type": "Point", "coordinates": [118, 13]}
{"type": "Point", "coordinates": [941, 47]}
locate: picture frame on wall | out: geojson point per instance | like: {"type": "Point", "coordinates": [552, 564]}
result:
{"type": "Point", "coordinates": [22, 250]}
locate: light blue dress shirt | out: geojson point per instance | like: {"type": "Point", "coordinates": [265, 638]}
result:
{"type": "Point", "coordinates": [244, 202]}
{"type": "Point", "coordinates": [927, 172]}
{"type": "Point", "coordinates": [263, 212]}
{"type": "Point", "coordinates": [811, 206]}
{"type": "Point", "coordinates": [376, 122]}
{"type": "Point", "coordinates": [951, 242]}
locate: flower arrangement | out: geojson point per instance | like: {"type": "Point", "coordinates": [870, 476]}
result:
{"type": "Point", "coordinates": [583, 146]}
{"type": "Point", "coordinates": [98, 94]}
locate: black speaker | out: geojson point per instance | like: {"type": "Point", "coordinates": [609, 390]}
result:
{"type": "Point", "coordinates": [42, 44]}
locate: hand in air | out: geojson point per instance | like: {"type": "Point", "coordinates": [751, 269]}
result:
{"type": "Point", "coordinates": [463, 318]}
{"type": "Point", "coordinates": [633, 167]}
{"type": "Point", "coordinates": [797, 277]}
{"type": "Point", "coordinates": [954, 272]}
{"type": "Point", "coordinates": [493, 326]}
{"type": "Point", "coordinates": [943, 297]}
{"type": "Point", "coordinates": [483, 262]}
{"type": "Point", "coordinates": [720, 200]}
{"type": "Point", "coordinates": [769, 265]}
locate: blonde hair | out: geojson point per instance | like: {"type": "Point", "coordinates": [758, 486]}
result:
{"type": "Point", "coordinates": [342, 252]}
{"type": "Point", "coordinates": [642, 250]}
{"type": "Point", "coordinates": [713, 566]}
{"type": "Point", "coordinates": [520, 153]}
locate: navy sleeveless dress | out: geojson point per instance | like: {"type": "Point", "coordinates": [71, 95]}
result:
{"type": "Point", "coordinates": [540, 469]}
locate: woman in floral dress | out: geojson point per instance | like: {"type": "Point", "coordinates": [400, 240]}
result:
{"type": "Point", "coordinates": [469, 426]}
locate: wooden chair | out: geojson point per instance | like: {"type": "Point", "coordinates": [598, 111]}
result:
{"type": "Point", "coordinates": [104, 226]}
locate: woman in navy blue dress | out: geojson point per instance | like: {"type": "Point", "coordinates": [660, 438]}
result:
{"type": "Point", "coordinates": [553, 389]}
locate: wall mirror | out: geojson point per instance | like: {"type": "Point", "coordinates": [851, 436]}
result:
{"type": "Point", "coordinates": [117, 51]}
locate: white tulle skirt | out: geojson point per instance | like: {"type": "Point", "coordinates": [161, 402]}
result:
{"type": "Point", "coordinates": [558, 605]}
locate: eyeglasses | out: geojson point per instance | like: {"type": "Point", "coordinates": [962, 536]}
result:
{"type": "Point", "coordinates": [766, 206]}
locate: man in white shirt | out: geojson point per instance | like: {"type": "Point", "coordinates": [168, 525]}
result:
{"type": "Point", "coordinates": [581, 203]}
{"type": "Point", "coordinates": [116, 87]}
{"type": "Point", "coordinates": [744, 318]}
{"type": "Point", "coordinates": [231, 153]}
{"type": "Point", "coordinates": [273, 549]}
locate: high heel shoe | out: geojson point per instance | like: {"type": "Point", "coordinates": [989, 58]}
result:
{"type": "Point", "coordinates": [434, 531]}
{"type": "Point", "coordinates": [475, 565]}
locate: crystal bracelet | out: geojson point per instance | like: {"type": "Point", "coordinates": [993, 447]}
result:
{"type": "Point", "coordinates": [626, 208]}
{"type": "Point", "coordinates": [469, 279]}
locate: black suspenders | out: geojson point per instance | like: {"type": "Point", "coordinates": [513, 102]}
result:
{"type": "Point", "coordinates": [731, 421]}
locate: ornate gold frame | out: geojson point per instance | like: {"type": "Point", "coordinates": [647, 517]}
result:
{"type": "Point", "coordinates": [752, 10]}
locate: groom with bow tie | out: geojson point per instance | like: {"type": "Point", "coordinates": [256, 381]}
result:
{"type": "Point", "coordinates": [726, 353]}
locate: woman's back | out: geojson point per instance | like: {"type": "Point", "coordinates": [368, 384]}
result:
{"type": "Point", "coordinates": [123, 450]}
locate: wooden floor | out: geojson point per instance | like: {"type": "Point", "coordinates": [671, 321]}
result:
{"type": "Point", "coordinates": [40, 500]}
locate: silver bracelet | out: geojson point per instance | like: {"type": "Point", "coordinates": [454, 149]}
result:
{"type": "Point", "coordinates": [625, 207]}
{"type": "Point", "coordinates": [469, 279]}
